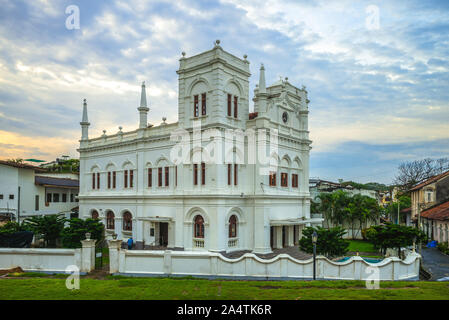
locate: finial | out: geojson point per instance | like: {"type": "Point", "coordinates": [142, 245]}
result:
{"type": "Point", "coordinates": [261, 66]}
{"type": "Point", "coordinates": [163, 119]}
{"type": "Point", "coordinates": [85, 101]}
{"type": "Point", "coordinates": [143, 83]}
{"type": "Point", "coordinates": [217, 42]}
{"type": "Point", "coordinates": [120, 128]}
{"type": "Point", "coordinates": [183, 54]}
{"type": "Point", "coordinates": [245, 56]}
{"type": "Point", "coordinates": [286, 78]}
{"type": "Point", "coordinates": [104, 131]}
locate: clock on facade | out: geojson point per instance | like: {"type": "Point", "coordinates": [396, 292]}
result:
{"type": "Point", "coordinates": [285, 117]}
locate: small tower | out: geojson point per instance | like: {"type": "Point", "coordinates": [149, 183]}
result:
{"type": "Point", "coordinates": [143, 109]}
{"type": "Point", "coordinates": [84, 123]}
{"type": "Point", "coordinates": [262, 95]}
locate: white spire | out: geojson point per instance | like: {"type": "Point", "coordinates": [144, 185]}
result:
{"type": "Point", "coordinates": [262, 85]}
{"type": "Point", "coordinates": [84, 123]}
{"type": "Point", "coordinates": [143, 109]}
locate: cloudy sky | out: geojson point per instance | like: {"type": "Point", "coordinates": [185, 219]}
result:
{"type": "Point", "coordinates": [376, 72]}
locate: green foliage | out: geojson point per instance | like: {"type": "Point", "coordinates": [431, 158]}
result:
{"type": "Point", "coordinates": [392, 209]}
{"type": "Point", "coordinates": [367, 186]}
{"type": "Point", "coordinates": [50, 226]}
{"type": "Point", "coordinates": [66, 166]}
{"type": "Point", "coordinates": [76, 231]}
{"type": "Point", "coordinates": [443, 247]}
{"type": "Point", "coordinates": [330, 242]}
{"type": "Point", "coordinates": [12, 227]}
{"type": "Point", "coordinates": [394, 236]}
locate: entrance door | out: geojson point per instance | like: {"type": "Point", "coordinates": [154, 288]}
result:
{"type": "Point", "coordinates": [284, 236]}
{"type": "Point", "coordinates": [163, 234]}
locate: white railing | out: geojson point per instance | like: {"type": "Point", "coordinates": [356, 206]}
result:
{"type": "Point", "coordinates": [198, 242]}
{"type": "Point", "coordinates": [233, 242]}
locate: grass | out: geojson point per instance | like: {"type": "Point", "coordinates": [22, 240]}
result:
{"type": "Point", "coordinates": [127, 288]}
{"type": "Point", "coordinates": [360, 246]}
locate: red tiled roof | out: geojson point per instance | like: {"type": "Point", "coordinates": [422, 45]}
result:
{"type": "Point", "coordinates": [438, 212]}
{"type": "Point", "coordinates": [406, 210]}
{"type": "Point", "coordinates": [22, 165]}
{"type": "Point", "coordinates": [253, 115]}
{"type": "Point", "coordinates": [430, 180]}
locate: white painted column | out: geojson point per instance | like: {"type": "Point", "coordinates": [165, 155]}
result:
{"type": "Point", "coordinates": [261, 231]}
{"type": "Point", "coordinates": [88, 255]}
{"type": "Point", "coordinates": [278, 237]}
{"type": "Point", "coordinates": [290, 236]}
{"type": "Point", "coordinates": [114, 249]}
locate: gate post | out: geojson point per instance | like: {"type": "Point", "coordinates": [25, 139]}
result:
{"type": "Point", "coordinates": [88, 255]}
{"type": "Point", "coordinates": [114, 248]}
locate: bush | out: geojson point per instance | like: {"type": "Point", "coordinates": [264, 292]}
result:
{"type": "Point", "coordinates": [76, 231]}
{"type": "Point", "coordinates": [364, 233]}
{"type": "Point", "coordinates": [50, 226]}
{"type": "Point", "coordinates": [12, 227]}
{"type": "Point", "coordinates": [443, 247]}
{"type": "Point", "coordinates": [330, 242]}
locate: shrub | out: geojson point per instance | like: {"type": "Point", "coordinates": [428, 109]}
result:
{"type": "Point", "coordinates": [50, 226]}
{"type": "Point", "coordinates": [443, 247]}
{"type": "Point", "coordinates": [12, 227]}
{"type": "Point", "coordinates": [76, 231]}
{"type": "Point", "coordinates": [364, 233]}
{"type": "Point", "coordinates": [330, 242]}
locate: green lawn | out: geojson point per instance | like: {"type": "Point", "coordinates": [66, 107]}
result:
{"type": "Point", "coordinates": [123, 288]}
{"type": "Point", "coordinates": [360, 246]}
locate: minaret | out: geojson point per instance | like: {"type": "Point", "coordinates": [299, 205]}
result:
{"type": "Point", "coordinates": [84, 123]}
{"type": "Point", "coordinates": [262, 94]}
{"type": "Point", "coordinates": [143, 109]}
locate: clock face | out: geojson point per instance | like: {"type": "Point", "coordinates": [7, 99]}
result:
{"type": "Point", "coordinates": [285, 117]}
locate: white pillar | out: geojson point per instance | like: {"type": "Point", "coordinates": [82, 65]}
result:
{"type": "Point", "coordinates": [278, 237]}
{"type": "Point", "coordinates": [114, 249]}
{"type": "Point", "coordinates": [88, 255]}
{"type": "Point", "coordinates": [290, 236]}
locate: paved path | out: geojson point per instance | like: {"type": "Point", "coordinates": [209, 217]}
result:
{"type": "Point", "coordinates": [435, 262]}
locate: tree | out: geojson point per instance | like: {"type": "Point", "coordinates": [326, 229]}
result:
{"type": "Point", "coordinates": [17, 160]}
{"type": "Point", "coordinates": [50, 226]}
{"type": "Point", "coordinates": [412, 172]}
{"type": "Point", "coordinates": [392, 208]}
{"type": "Point", "coordinates": [12, 227]}
{"type": "Point", "coordinates": [330, 241]}
{"type": "Point", "coordinates": [76, 231]}
{"type": "Point", "coordinates": [394, 236]}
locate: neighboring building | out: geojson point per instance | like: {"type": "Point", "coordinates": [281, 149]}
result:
{"type": "Point", "coordinates": [426, 194]}
{"type": "Point", "coordinates": [33, 191]}
{"type": "Point", "coordinates": [318, 186]}
{"type": "Point", "coordinates": [131, 182]}
{"type": "Point", "coordinates": [435, 221]}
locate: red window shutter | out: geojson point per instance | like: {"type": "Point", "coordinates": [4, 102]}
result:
{"type": "Point", "coordinates": [109, 180]}
{"type": "Point", "coordinates": [113, 179]}
{"type": "Point", "coordinates": [131, 178]}
{"type": "Point", "coordinates": [93, 180]}
{"type": "Point", "coordinates": [195, 174]}
{"type": "Point", "coordinates": [203, 104]}
{"type": "Point", "coordinates": [229, 105]}
{"type": "Point", "coordinates": [236, 106]}
{"type": "Point", "coordinates": [159, 176]}
{"type": "Point", "coordinates": [235, 173]}
{"type": "Point", "coordinates": [195, 106]}
{"type": "Point", "coordinates": [126, 178]}
{"type": "Point", "coordinates": [229, 173]}
{"type": "Point", "coordinates": [203, 173]}
{"type": "Point", "coordinates": [150, 177]}
{"type": "Point", "coordinates": [167, 176]}
{"type": "Point", "coordinates": [98, 180]}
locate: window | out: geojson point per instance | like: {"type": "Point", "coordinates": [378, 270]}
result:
{"type": "Point", "coordinates": [114, 179]}
{"type": "Point", "coordinates": [72, 197]}
{"type": "Point", "coordinates": [284, 179]}
{"type": "Point", "coordinates": [235, 173]}
{"type": "Point", "coordinates": [11, 197]}
{"type": "Point", "coordinates": [233, 226]}
{"type": "Point", "coordinates": [203, 104]}
{"type": "Point", "coordinates": [109, 180]}
{"type": "Point", "coordinates": [229, 174]}
{"type": "Point", "coordinates": [159, 177]}
{"type": "Point", "coordinates": [229, 105]}
{"type": "Point", "coordinates": [93, 180]}
{"type": "Point", "coordinates": [131, 178]}
{"type": "Point", "coordinates": [1, 197]}
{"type": "Point", "coordinates": [195, 106]}
{"type": "Point", "coordinates": [64, 197]}
{"type": "Point", "coordinates": [127, 221]}
{"type": "Point", "coordinates": [110, 224]}
{"type": "Point", "coordinates": [272, 178]}
{"type": "Point", "coordinates": [198, 230]}
{"type": "Point", "coordinates": [235, 106]}
{"type": "Point", "coordinates": [95, 214]}
{"type": "Point", "coordinates": [195, 174]}
{"type": "Point", "coordinates": [150, 177]}
{"type": "Point", "coordinates": [36, 203]}
{"type": "Point", "coordinates": [48, 197]}
{"type": "Point", "coordinates": [125, 177]}
{"type": "Point", "coordinates": [166, 176]}
{"type": "Point", "coordinates": [98, 180]}
{"type": "Point", "coordinates": [203, 173]}
{"type": "Point", "coordinates": [294, 180]}
{"type": "Point", "coordinates": [55, 197]}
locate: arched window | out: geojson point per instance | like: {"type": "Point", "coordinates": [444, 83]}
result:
{"type": "Point", "coordinates": [233, 226]}
{"type": "Point", "coordinates": [110, 224]}
{"type": "Point", "coordinates": [95, 214]}
{"type": "Point", "coordinates": [127, 221]}
{"type": "Point", "coordinates": [198, 230]}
